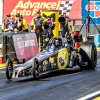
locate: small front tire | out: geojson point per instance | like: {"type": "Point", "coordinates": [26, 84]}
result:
{"type": "Point", "coordinates": [9, 69]}
{"type": "Point", "coordinates": [35, 69]}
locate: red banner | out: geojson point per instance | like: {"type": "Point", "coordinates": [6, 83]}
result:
{"type": "Point", "coordinates": [26, 45]}
{"type": "Point", "coordinates": [28, 7]}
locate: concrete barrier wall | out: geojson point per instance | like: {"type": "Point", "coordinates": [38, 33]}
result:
{"type": "Point", "coordinates": [93, 29]}
{"type": "Point", "coordinates": [1, 37]}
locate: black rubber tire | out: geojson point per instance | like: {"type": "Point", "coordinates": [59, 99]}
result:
{"type": "Point", "coordinates": [9, 69]}
{"type": "Point", "coordinates": [88, 52]}
{"type": "Point", "coordinates": [35, 67]}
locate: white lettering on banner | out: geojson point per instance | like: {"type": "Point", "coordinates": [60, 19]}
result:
{"type": "Point", "coordinates": [20, 4]}
{"type": "Point", "coordinates": [24, 45]}
{"type": "Point", "coordinates": [27, 43]}
{"type": "Point", "coordinates": [32, 5]}
{"type": "Point", "coordinates": [28, 8]}
{"type": "Point", "coordinates": [20, 43]}
{"type": "Point", "coordinates": [32, 43]}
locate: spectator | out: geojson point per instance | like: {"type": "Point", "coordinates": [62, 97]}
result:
{"type": "Point", "coordinates": [21, 23]}
{"type": "Point", "coordinates": [36, 27]}
{"type": "Point", "coordinates": [66, 16]}
{"type": "Point", "coordinates": [48, 27]}
{"type": "Point", "coordinates": [18, 22]}
{"type": "Point", "coordinates": [50, 22]}
{"type": "Point", "coordinates": [47, 32]}
{"type": "Point", "coordinates": [37, 22]}
{"type": "Point", "coordinates": [5, 22]}
{"type": "Point", "coordinates": [24, 24]}
{"type": "Point", "coordinates": [11, 26]}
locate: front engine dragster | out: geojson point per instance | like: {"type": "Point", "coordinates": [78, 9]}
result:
{"type": "Point", "coordinates": [55, 57]}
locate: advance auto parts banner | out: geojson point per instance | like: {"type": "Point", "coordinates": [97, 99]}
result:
{"type": "Point", "coordinates": [26, 46]}
{"type": "Point", "coordinates": [28, 7]}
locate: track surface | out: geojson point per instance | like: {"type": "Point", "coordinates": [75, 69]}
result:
{"type": "Point", "coordinates": [71, 84]}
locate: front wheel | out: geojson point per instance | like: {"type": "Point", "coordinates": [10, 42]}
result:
{"type": "Point", "coordinates": [35, 67]}
{"type": "Point", "coordinates": [9, 69]}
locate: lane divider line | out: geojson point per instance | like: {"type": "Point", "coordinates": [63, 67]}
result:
{"type": "Point", "coordinates": [90, 95]}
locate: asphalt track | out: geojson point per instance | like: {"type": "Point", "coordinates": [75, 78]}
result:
{"type": "Point", "coordinates": [70, 84]}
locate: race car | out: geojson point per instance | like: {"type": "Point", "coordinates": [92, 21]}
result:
{"type": "Point", "coordinates": [55, 57]}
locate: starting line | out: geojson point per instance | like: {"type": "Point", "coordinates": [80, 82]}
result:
{"type": "Point", "coordinates": [2, 65]}
{"type": "Point", "coordinates": [93, 96]}
{"type": "Point", "coordinates": [98, 49]}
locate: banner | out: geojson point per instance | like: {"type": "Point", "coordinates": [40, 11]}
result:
{"type": "Point", "coordinates": [26, 45]}
{"type": "Point", "coordinates": [28, 7]}
{"type": "Point", "coordinates": [1, 11]}
{"type": "Point", "coordinates": [94, 12]}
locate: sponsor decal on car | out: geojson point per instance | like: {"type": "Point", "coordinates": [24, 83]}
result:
{"type": "Point", "coordinates": [52, 62]}
{"type": "Point", "coordinates": [62, 59]}
{"type": "Point", "coordinates": [45, 64]}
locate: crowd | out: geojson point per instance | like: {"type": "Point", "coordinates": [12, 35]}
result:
{"type": "Point", "coordinates": [14, 24]}
{"type": "Point", "coordinates": [38, 25]}
{"type": "Point", "coordinates": [18, 23]}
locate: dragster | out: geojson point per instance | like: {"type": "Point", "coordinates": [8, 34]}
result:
{"type": "Point", "coordinates": [56, 56]}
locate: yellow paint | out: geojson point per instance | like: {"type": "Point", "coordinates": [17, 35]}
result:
{"type": "Point", "coordinates": [98, 98]}
{"type": "Point", "coordinates": [73, 28]}
{"type": "Point", "coordinates": [55, 14]}
{"type": "Point", "coordinates": [2, 65]}
{"type": "Point", "coordinates": [63, 54]}
{"type": "Point", "coordinates": [79, 49]}
{"type": "Point", "coordinates": [98, 48]}
{"type": "Point", "coordinates": [51, 60]}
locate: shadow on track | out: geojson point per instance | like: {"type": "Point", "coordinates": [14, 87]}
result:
{"type": "Point", "coordinates": [52, 75]}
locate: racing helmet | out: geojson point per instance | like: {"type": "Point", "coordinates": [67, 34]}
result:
{"type": "Point", "coordinates": [58, 42]}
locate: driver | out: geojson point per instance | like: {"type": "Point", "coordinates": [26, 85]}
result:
{"type": "Point", "coordinates": [56, 45]}
{"type": "Point", "coordinates": [66, 17]}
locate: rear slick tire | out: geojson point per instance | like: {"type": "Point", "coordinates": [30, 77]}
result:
{"type": "Point", "coordinates": [88, 52]}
